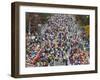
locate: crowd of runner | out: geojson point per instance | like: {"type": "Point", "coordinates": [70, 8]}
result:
{"type": "Point", "coordinates": [60, 42]}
